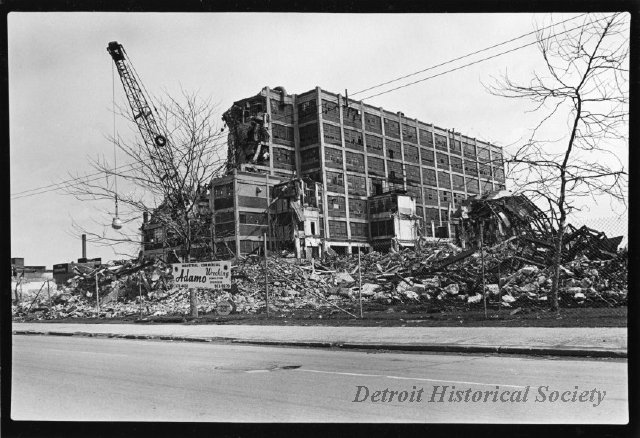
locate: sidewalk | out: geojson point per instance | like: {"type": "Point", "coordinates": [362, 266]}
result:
{"type": "Point", "coordinates": [578, 341]}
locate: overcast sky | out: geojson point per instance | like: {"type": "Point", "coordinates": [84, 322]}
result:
{"type": "Point", "coordinates": [60, 79]}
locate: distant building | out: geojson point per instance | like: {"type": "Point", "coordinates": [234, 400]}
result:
{"type": "Point", "coordinates": [20, 272]}
{"type": "Point", "coordinates": [355, 158]}
{"type": "Point", "coordinates": [64, 271]}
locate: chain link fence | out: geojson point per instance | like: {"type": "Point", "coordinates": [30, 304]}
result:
{"type": "Point", "coordinates": [426, 275]}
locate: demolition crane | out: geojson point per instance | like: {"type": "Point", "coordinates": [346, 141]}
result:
{"type": "Point", "coordinates": [153, 134]}
{"type": "Point", "coordinates": [142, 113]}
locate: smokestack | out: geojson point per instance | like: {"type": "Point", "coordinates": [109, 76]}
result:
{"type": "Point", "coordinates": [84, 246]}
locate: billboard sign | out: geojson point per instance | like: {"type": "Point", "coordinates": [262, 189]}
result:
{"type": "Point", "coordinates": [207, 275]}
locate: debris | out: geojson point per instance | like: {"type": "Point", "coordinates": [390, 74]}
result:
{"type": "Point", "coordinates": [424, 274]}
{"type": "Point", "coordinates": [225, 307]}
{"type": "Point", "coordinates": [493, 289]}
{"type": "Point", "coordinates": [474, 299]}
{"type": "Point", "coordinates": [452, 289]}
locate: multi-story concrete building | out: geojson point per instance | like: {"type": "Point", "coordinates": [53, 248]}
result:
{"type": "Point", "coordinates": [347, 153]}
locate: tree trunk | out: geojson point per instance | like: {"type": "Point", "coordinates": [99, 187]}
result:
{"type": "Point", "coordinates": [193, 302]}
{"type": "Point", "coordinates": [193, 297]}
{"type": "Point", "coordinates": [557, 260]}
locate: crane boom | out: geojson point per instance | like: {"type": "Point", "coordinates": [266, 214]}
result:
{"type": "Point", "coordinates": [142, 113]}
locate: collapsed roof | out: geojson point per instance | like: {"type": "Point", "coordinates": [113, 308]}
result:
{"type": "Point", "coordinates": [499, 216]}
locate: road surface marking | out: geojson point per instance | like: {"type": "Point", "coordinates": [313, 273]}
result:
{"type": "Point", "coordinates": [411, 378]}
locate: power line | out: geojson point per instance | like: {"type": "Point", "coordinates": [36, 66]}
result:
{"type": "Point", "coordinates": [465, 56]}
{"type": "Point", "coordinates": [275, 119]}
{"type": "Point", "coordinates": [70, 183]}
{"type": "Point", "coordinates": [483, 59]}
{"type": "Point", "coordinates": [63, 183]}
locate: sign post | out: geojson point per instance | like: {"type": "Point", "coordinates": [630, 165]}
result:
{"type": "Point", "coordinates": [97, 297]}
{"type": "Point", "coordinates": [360, 281]}
{"type": "Point", "coordinates": [484, 287]}
{"type": "Point", "coordinates": [266, 274]}
{"type": "Point", "coordinates": [202, 275]}
{"type": "Point", "coordinates": [207, 275]}
{"type": "Point", "coordinates": [140, 291]}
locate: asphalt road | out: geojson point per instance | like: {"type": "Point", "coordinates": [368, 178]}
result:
{"type": "Point", "coordinates": [74, 378]}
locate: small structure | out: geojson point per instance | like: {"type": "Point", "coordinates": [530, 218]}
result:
{"type": "Point", "coordinates": [295, 216]}
{"type": "Point", "coordinates": [20, 272]}
{"type": "Point", "coordinates": [64, 271]}
{"type": "Point", "coordinates": [393, 220]}
{"type": "Point", "coordinates": [504, 216]}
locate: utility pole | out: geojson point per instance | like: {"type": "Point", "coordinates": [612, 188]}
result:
{"type": "Point", "coordinates": [484, 288]}
{"type": "Point", "coordinates": [360, 281]}
{"type": "Point", "coordinates": [97, 296]}
{"type": "Point", "coordinates": [266, 274]}
{"type": "Point", "coordinates": [140, 291]}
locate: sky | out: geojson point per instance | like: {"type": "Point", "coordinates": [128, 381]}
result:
{"type": "Point", "coordinates": [61, 90]}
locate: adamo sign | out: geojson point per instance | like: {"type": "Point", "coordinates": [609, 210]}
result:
{"type": "Point", "coordinates": [208, 275]}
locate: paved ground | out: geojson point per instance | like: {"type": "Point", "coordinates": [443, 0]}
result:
{"type": "Point", "coordinates": [603, 339]}
{"type": "Point", "coordinates": [76, 378]}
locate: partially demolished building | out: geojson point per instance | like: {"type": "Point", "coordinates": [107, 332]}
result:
{"type": "Point", "coordinates": [317, 171]}
{"type": "Point", "coordinates": [502, 217]}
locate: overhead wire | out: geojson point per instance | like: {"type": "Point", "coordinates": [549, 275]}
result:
{"type": "Point", "coordinates": [467, 55]}
{"type": "Point", "coordinates": [63, 184]}
{"type": "Point", "coordinates": [486, 58]}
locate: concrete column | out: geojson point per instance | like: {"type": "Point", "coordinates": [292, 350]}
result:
{"type": "Point", "coordinates": [296, 136]}
{"type": "Point", "coordinates": [384, 151]}
{"type": "Point", "coordinates": [344, 167]}
{"type": "Point", "coordinates": [267, 92]}
{"type": "Point", "coordinates": [236, 213]}
{"type": "Point", "coordinates": [435, 158]}
{"type": "Point", "coordinates": [323, 168]}
{"type": "Point", "coordinates": [404, 170]}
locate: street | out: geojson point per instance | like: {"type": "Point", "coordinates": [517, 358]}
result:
{"type": "Point", "coordinates": [76, 378]}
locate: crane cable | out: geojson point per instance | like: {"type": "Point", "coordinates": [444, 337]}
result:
{"type": "Point", "coordinates": [113, 110]}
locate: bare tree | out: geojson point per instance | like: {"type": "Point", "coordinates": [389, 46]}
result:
{"type": "Point", "coordinates": [583, 92]}
{"type": "Point", "coordinates": [170, 182]}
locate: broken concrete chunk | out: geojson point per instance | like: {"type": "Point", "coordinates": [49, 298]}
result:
{"type": "Point", "coordinates": [369, 289]}
{"type": "Point", "coordinates": [412, 295]}
{"type": "Point", "coordinates": [528, 270]}
{"type": "Point", "coordinates": [586, 282]}
{"type": "Point", "coordinates": [452, 289]}
{"type": "Point", "coordinates": [344, 277]}
{"type": "Point", "coordinates": [474, 299]}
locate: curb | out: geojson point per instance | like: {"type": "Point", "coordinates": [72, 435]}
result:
{"type": "Point", "coordinates": [441, 348]}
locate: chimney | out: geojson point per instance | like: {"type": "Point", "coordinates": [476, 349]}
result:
{"type": "Point", "coordinates": [84, 246]}
{"type": "Point", "coordinates": [145, 217]}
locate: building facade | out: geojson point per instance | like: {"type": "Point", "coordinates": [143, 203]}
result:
{"type": "Point", "coordinates": [351, 153]}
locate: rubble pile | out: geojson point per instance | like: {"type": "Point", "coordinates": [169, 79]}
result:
{"type": "Point", "coordinates": [440, 276]}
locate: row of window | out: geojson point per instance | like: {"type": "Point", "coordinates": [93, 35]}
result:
{"type": "Point", "coordinates": [430, 177]}
{"type": "Point", "coordinates": [353, 140]}
{"type": "Point", "coordinates": [355, 162]}
{"type": "Point", "coordinates": [351, 117]}
{"type": "Point", "coordinates": [338, 229]}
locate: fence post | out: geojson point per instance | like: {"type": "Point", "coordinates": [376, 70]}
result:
{"type": "Point", "coordinates": [360, 281]}
{"type": "Point", "coordinates": [97, 297]}
{"type": "Point", "coordinates": [266, 274]}
{"type": "Point", "coordinates": [484, 288]}
{"type": "Point", "coordinates": [140, 291]}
